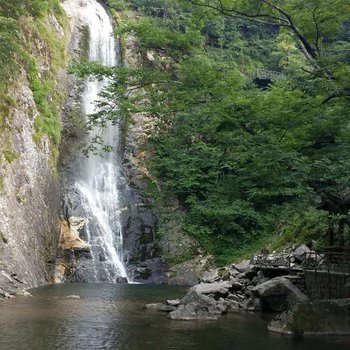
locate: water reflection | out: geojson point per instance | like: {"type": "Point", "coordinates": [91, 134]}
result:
{"type": "Point", "coordinates": [110, 316]}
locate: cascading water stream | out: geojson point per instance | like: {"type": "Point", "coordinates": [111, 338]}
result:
{"type": "Point", "coordinates": [98, 177]}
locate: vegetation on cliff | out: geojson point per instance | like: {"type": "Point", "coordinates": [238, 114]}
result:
{"type": "Point", "coordinates": [252, 107]}
{"type": "Point", "coordinates": [30, 44]}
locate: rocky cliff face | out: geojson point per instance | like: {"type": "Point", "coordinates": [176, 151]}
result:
{"type": "Point", "coordinates": [142, 248]}
{"type": "Point", "coordinates": [29, 192]}
{"type": "Point", "coordinates": [157, 249]}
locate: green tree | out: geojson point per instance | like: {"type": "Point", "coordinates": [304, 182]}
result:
{"type": "Point", "coordinates": [311, 21]}
{"type": "Point", "coordinates": [245, 163]}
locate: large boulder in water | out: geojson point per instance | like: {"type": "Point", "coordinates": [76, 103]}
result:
{"type": "Point", "coordinates": [323, 317]}
{"type": "Point", "coordinates": [195, 306]}
{"type": "Point", "coordinates": [160, 307]}
{"type": "Point", "coordinates": [278, 294]}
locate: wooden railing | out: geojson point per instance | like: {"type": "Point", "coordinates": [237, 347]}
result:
{"type": "Point", "coordinates": [328, 261]}
{"type": "Point", "coordinates": [327, 274]}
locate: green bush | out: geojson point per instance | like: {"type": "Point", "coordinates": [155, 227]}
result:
{"type": "Point", "coordinates": [48, 122]}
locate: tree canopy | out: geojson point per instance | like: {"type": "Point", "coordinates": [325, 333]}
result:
{"type": "Point", "coordinates": [247, 162]}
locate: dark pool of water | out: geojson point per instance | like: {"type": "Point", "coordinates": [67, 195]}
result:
{"type": "Point", "coordinates": [112, 316]}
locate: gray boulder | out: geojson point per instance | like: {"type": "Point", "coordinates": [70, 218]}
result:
{"type": "Point", "coordinates": [243, 266]}
{"type": "Point", "coordinates": [321, 317]}
{"type": "Point", "coordinates": [210, 276]}
{"type": "Point", "coordinates": [222, 305]}
{"type": "Point", "coordinates": [76, 297]}
{"type": "Point", "coordinates": [216, 288]}
{"type": "Point", "coordinates": [234, 297]}
{"type": "Point", "coordinates": [300, 253]}
{"type": "Point", "coordinates": [195, 306]}
{"type": "Point", "coordinates": [160, 307]}
{"type": "Point", "coordinates": [233, 301]}
{"type": "Point", "coordinates": [236, 285]}
{"type": "Point", "coordinates": [233, 305]}
{"type": "Point", "coordinates": [23, 293]}
{"type": "Point", "coordinates": [174, 302]}
{"type": "Point", "coordinates": [278, 294]}
{"type": "Point", "coordinates": [259, 278]}
{"type": "Point", "coordinates": [233, 272]}
{"type": "Point", "coordinates": [252, 304]}
{"type": "Point", "coordinates": [243, 280]}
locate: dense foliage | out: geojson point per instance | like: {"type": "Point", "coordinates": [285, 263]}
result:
{"type": "Point", "coordinates": [252, 156]}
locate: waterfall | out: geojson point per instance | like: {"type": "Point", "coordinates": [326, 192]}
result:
{"type": "Point", "coordinates": [97, 178]}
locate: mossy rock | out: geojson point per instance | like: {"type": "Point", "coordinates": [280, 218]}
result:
{"type": "Point", "coordinates": [224, 274]}
{"type": "Point", "coordinates": [319, 317]}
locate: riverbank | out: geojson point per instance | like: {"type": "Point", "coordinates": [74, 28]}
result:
{"type": "Point", "coordinates": [267, 284]}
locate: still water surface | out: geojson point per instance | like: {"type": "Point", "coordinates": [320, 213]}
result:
{"type": "Point", "coordinates": [111, 316]}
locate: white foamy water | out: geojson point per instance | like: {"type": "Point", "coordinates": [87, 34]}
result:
{"type": "Point", "coordinates": [99, 175]}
